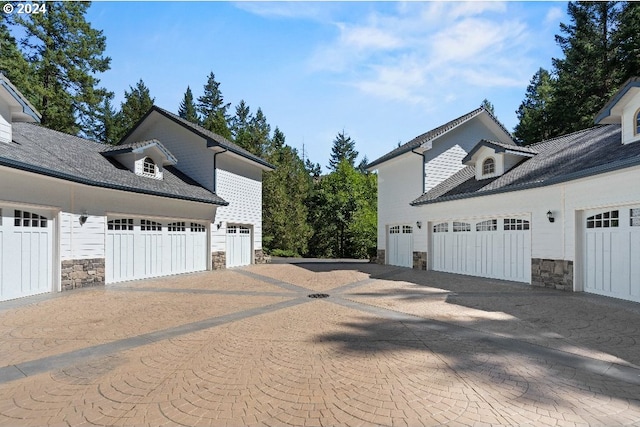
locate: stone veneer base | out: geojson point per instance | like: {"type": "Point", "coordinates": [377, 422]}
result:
{"type": "Point", "coordinates": [380, 258]}
{"type": "Point", "coordinates": [218, 260]}
{"type": "Point", "coordinates": [420, 260]}
{"type": "Point", "coordinates": [81, 273]}
{"type": "Point", "coordinates": [552, 273]}
{"type": "Point", "coordinates": [259, 257]}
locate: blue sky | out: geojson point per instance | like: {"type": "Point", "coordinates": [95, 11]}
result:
{"type": "Point", "coordinates": [384, 72]}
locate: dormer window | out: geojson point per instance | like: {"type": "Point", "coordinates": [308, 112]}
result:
{"type": "Point", "coordinates": [149, 166]}
{"type": "Point", "coordinates": [488, 166]}
{"type": "Point", "coordinates": [637, 122]}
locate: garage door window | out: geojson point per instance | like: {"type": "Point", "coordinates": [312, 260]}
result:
{"type": "Point", "coordinates": [515, 224]}
{"type": "Point", "coordinates": [488, 225]}
{"type": "Point", "coordinates": [28, 219]}
{"type": "Point", "coordinates": [394, 230]}
{"type": "Point", "coordinates": [461, 226]}
{"type": "Point", "coordinates": [197, 228]}
{"type": "Point", "coordinates": [120, 224]}
{"type": "Point", "coordinates": [177, 226]}
{"type": "Point", "coordinates": [407, 229]}
{"type": "Point", "coordinates": [634, 215]}
{"type": "Point", "coordinates": [244, 230]}
{"type": "Point", "coordinates": [147, 225]}
{"type": "Point", "coordinates": [443, 227]}
{"type": "Point", "coordinates": [603, 220]}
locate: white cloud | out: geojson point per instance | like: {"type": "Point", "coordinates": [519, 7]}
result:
{"type": "Point", "coordinates": [286, 9]}
{"type": "Point", "coordinates": [553, 17]}
{"type": "Point", "coordinates": [412, 53]}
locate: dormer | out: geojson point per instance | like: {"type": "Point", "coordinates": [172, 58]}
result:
{"type": "Point", "coordinates": [145, 158]}
{"type": "Point", "coordinates": [624, 109]}
{"type": "Point", "coordinates": [492, 159]}
{"type": "Point", "coordinates": [14, 107]}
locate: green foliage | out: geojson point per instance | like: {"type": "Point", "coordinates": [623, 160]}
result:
{"type": "Point", "coordinates": [344, 148]}
{"type": "Point", "coordinates": [627, 37]}
{"type": "Point", "coordinates": [343, 213]}
{"type": "Point", "coordinates": [107, 129]}
{"type": "Point", "coordinates": [187, 109]}
{"type": "Point", "coordinates": [488, 106]}
{"type": "Point", "coordinates": [283, 253]}
{"type": "Point", "coordinates": [14, 65]}
{"type": "Point", "coordinates": [65, 54]}
{"type": "Point", "coordinates": [533, 114]}
{"type": "Point", "coordinates": [137, 102]}
{"type": "Point", "coordinates": [212, 108]}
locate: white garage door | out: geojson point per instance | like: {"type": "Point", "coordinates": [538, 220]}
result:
{"type": "Point", "coordinates": [612, 253]}
{"type": "Point", "coordinates": [498, 248]}
{"type": "Point", "coordinates": [238, 246]}
{"type": "Point", "coordinates": [400, 245]}
{"type": "Point", "coordinates": [142, 248]}
{"type": "Point", "coordinates": [26, 248]}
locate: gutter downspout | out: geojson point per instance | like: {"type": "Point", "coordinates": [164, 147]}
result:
{"type": "Point", "coordinates": [423, 165]}
{"type": "Point", "coordinates": [215, 170]}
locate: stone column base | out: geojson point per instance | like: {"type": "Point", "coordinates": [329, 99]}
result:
{"type": "Point", "coordinates": [218, 260]}
{"type": "Point", "coordinates": [552, 273]}
{"type": "Point", "coordinates": [81, 273]}
{"type": "Point", "coordinates": [381, 257]}
{"type": "Point", "coordinates": [259, 257]}
{"type": "Point", "coordinates": [420, 260]}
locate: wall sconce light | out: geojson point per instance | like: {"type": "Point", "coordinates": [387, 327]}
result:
{"type": "Point", "coordinates": [83, 218]}
{"type": "Point", "coordinates": [419, 224]}
{"type": "Point", "coordinates": [550, 216]}
{"type": "Point", "coordinates": [218, 225]}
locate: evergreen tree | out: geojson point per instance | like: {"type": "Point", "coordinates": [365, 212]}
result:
{"type": "Point", "coordinates": [534, 123]}
{"type": "Point", "coordinates": [212, 108]}
{"type": "Point", "coordinates": [627, 37]}
{"type": "Point", "coordinates": [241, 125]}
{"type": "Point", "coordinates": [487, 105]}
{"type": "Point", "coordinates": [66, 54]}
{"type": "Point", "coordinates": [590, 72]}
{"type": "Point", "coordinates": [187, 109]}
{"type": "Point", "coordinates": [313, 169]}
{"type": "Point", "coordinates": [343, 149]}
{"type": "Point", "coordinates": [260, 141]}
{"type": "Point", "coordinates": [137, 102]}
{"type": "Point", "coordinates": [14, 65]}
{"type": "Point", "coordinates": [108, 129]}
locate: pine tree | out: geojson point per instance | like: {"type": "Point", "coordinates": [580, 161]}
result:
{"type": "Point", "coordinates": [534, 123]}
{"type": "Point", "coordinates": [187, 109]}
{"type": "Point", "coordinates": [627, 37]}
{"type": "Point", "coordinates": [137, 102]}
{"type": "Point", "coordinates": [343, 149]}
{"type": "Point", "coordinates": [14, 65]}
{"type": "Point", "coordinates": [212, 108]}
{"type": "Point", "coordinates": [108, 130]}
{"type": "Point", "coordinates": [487, 105]}
{"type": "Point", "coordinates": [260, 141]}
{"type": "Point", "coordinates": [590, 72]}
{"type": "Point", "coordinates": [66, 54]}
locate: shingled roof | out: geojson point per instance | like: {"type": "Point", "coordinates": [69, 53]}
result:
{"type": "Point", "coordinates": [212, 139]}
{"type": "Point", "coordinates": [56, 154]}
{"type": "Point", "coordinates": [433, 133]}
{"type": "Point", "coordinates": [581, 154]}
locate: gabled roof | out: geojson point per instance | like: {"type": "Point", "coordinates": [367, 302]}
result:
{"type": "Point", "coordinates": [434, 133]}
{"type": "Point", "coordinates": [213, 139]}
{"type": "Point", "coordinates": [28, 111]}
{"type": "Point", "coordinates": [139, 147]}
{"type": "Point", "coordinates": [605, 114]}
{"type": "Point", "coordinates": [47, 152]}
{"type": "Point", "coordinates": [499, 147]}
{"type": "Point", "coordinates": [578, 155]}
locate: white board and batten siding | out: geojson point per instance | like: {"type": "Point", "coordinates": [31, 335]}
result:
{"type": "Point", "coordinates": [497, 248]}
{"type": "Point", "coordinates": [26, 251]}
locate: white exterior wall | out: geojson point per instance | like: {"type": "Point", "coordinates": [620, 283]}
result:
{"type": "Point", "coordinates": [562, 239]}
{"type": "Point", "coordinates": [240, 184]}
{"type": "Point", "coordinates": [399, 183]}
{"type": "Point", "coordinates": [194, 158]}
{"type": "Point", "coordinates": [5, 123]}
{"type": "Point", "coordinates": [72, 200]}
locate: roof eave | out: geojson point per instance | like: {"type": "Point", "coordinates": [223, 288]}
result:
{"type": "Point", "coordinates": [27, 108]}
{"type": "Point", "coordinates": [605, 112]}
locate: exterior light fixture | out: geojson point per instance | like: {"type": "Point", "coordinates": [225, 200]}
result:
{"type": "Point", "coordinates": [218, 225]}
{"type": "Point", "coordinates": [83, 218]}
{"type": "Point", "coordinates": [550, 216]}
{"type": "Point", "coordinates": [419, 224]}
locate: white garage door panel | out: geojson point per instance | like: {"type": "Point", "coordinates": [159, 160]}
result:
{"type": "Point", "coordinates": [612, 253]}
{"type": "Point", "coordinates": [138, 249]}
{"type": "Point", "coordinates": [26, 253]}
{"type": "Point", "coordinates": [400, 245]}
{"type": "Point", "coordinates": [238, 246]}
{"type": "Point", "coordinates": [494, 248]}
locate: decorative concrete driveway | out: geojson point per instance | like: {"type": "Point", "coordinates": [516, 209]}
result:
{"type": "Point", "coordinates": [388, 346]}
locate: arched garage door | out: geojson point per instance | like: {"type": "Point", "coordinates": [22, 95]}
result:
{"type": "Point", "coordinates": [143, 248]}
{"type": "Point", "coordinates": [498, 248]}
{"type": "Point", "coordinates": [26, 252]}
{"type": "Point", "coordinates": [612, 252]}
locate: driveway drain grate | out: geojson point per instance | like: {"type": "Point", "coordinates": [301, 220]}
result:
{"type": "Point", "coordinates": [318, 295]}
